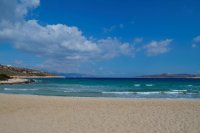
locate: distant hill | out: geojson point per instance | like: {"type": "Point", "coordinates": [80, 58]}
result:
{"type": "Point", "coordinates": [166, 75]}
{"type": "Point", "coordinates": [15, 71]}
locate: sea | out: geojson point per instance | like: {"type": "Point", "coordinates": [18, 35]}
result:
{"type": "Point", "coordinates": [109, 87]}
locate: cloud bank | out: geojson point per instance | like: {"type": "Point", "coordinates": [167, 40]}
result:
{"type": "Point", "coordinates": [61, 43]}
{"type": "Point", "coordinates": [57, 41]}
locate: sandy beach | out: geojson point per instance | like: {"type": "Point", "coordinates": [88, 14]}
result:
{"type": "Point", "coordinates": [24, 79]}
{"type": "Point", "coordinates": [41, 114]}
{"type": "Point", "coordinates": [15, 81]}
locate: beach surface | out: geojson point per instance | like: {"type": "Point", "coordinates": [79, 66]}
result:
{"type": "Point", "coordinates": [15, 81]}
{"type": "Point", "coordinates": [25, 79]}
{"type": "Point", "coordinates": [49, 114]}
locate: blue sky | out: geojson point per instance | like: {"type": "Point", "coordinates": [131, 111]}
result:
{"type": "Point", "coordinates": [103, 38]}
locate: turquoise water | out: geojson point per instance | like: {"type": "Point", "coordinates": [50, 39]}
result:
{"type": "Point", "coordinates": [109, 87]}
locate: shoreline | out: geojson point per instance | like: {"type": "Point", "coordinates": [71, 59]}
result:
{"type": "Point", "coordinates": [16, 81]}
{"type": "Point", "coordinates": [25, 79]}
{"type": "Point", "coordinates": [105, 98]}
{"type": "Point", "coordinates": [30, 113]}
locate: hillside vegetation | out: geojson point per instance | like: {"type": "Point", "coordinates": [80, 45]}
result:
{"type": "Point", "coordinates": [4, 77]}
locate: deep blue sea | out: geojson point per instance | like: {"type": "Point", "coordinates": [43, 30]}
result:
{"type": "Point", "coordinates": [109, 87]}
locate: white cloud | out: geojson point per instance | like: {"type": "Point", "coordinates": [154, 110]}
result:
{"type": "Point", "coordinates": [109, 29]}
{"type": "Point", "coordinates": [197, 39]}
{"type": "Point", "coordinates": [137, 40]}
{"type": "Point", "coordinates": [15, 10]}
{"type": "Point", "coordinates": [113, 27]}
{"type": "Point", "coordinates": [112, 47]}
{"type": "Point", "coordinates": [158, 47]}
{"type": "Point", "coordinates": [194, 45]}
{"type": "Point", "coordinates": [49, 39]}
{"type": "Point", "coordinates": [59, 41]}
{"type": "Point", "coordinates": [24, 5]}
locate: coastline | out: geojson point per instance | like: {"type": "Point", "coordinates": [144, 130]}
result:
{"type": "Point", "coordinates": [16, 81]}
{"type": "Point", "coordinates": [29, 113]}
{"type": "Point", "coordinates": [25, 79]}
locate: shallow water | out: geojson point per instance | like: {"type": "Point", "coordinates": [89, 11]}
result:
{"type": "Point", "coordinates": [109, 87]}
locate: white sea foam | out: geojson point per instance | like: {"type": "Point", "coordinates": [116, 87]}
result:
{"type": "Point", "coordinates": [171, 92]}
{"type": "Point", "coordinates": [126, 92]}
{"type": "Point", "coordinates": [137, 85]}
{"type": "Point", "coordinates": [147, 93]}
{"type": "Point", "coordinates": [179, 90]}
{"type": "Point", "coordinates": [70, 91]}
{"type": "Point", "coordinates": [122, 92]}
{"type": "Point", "coordinates": [189, 85]}
{"type": "Point", "coordinates": [148, 85]}
{"type": "Point", "coordinates": [14, 89]}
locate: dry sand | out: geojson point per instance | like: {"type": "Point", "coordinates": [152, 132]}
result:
{"type": "Point", "coordinates": [40, 114]}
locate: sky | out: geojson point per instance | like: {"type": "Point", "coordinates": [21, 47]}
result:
{"type": "Point", "coordinates": [108, 38]}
